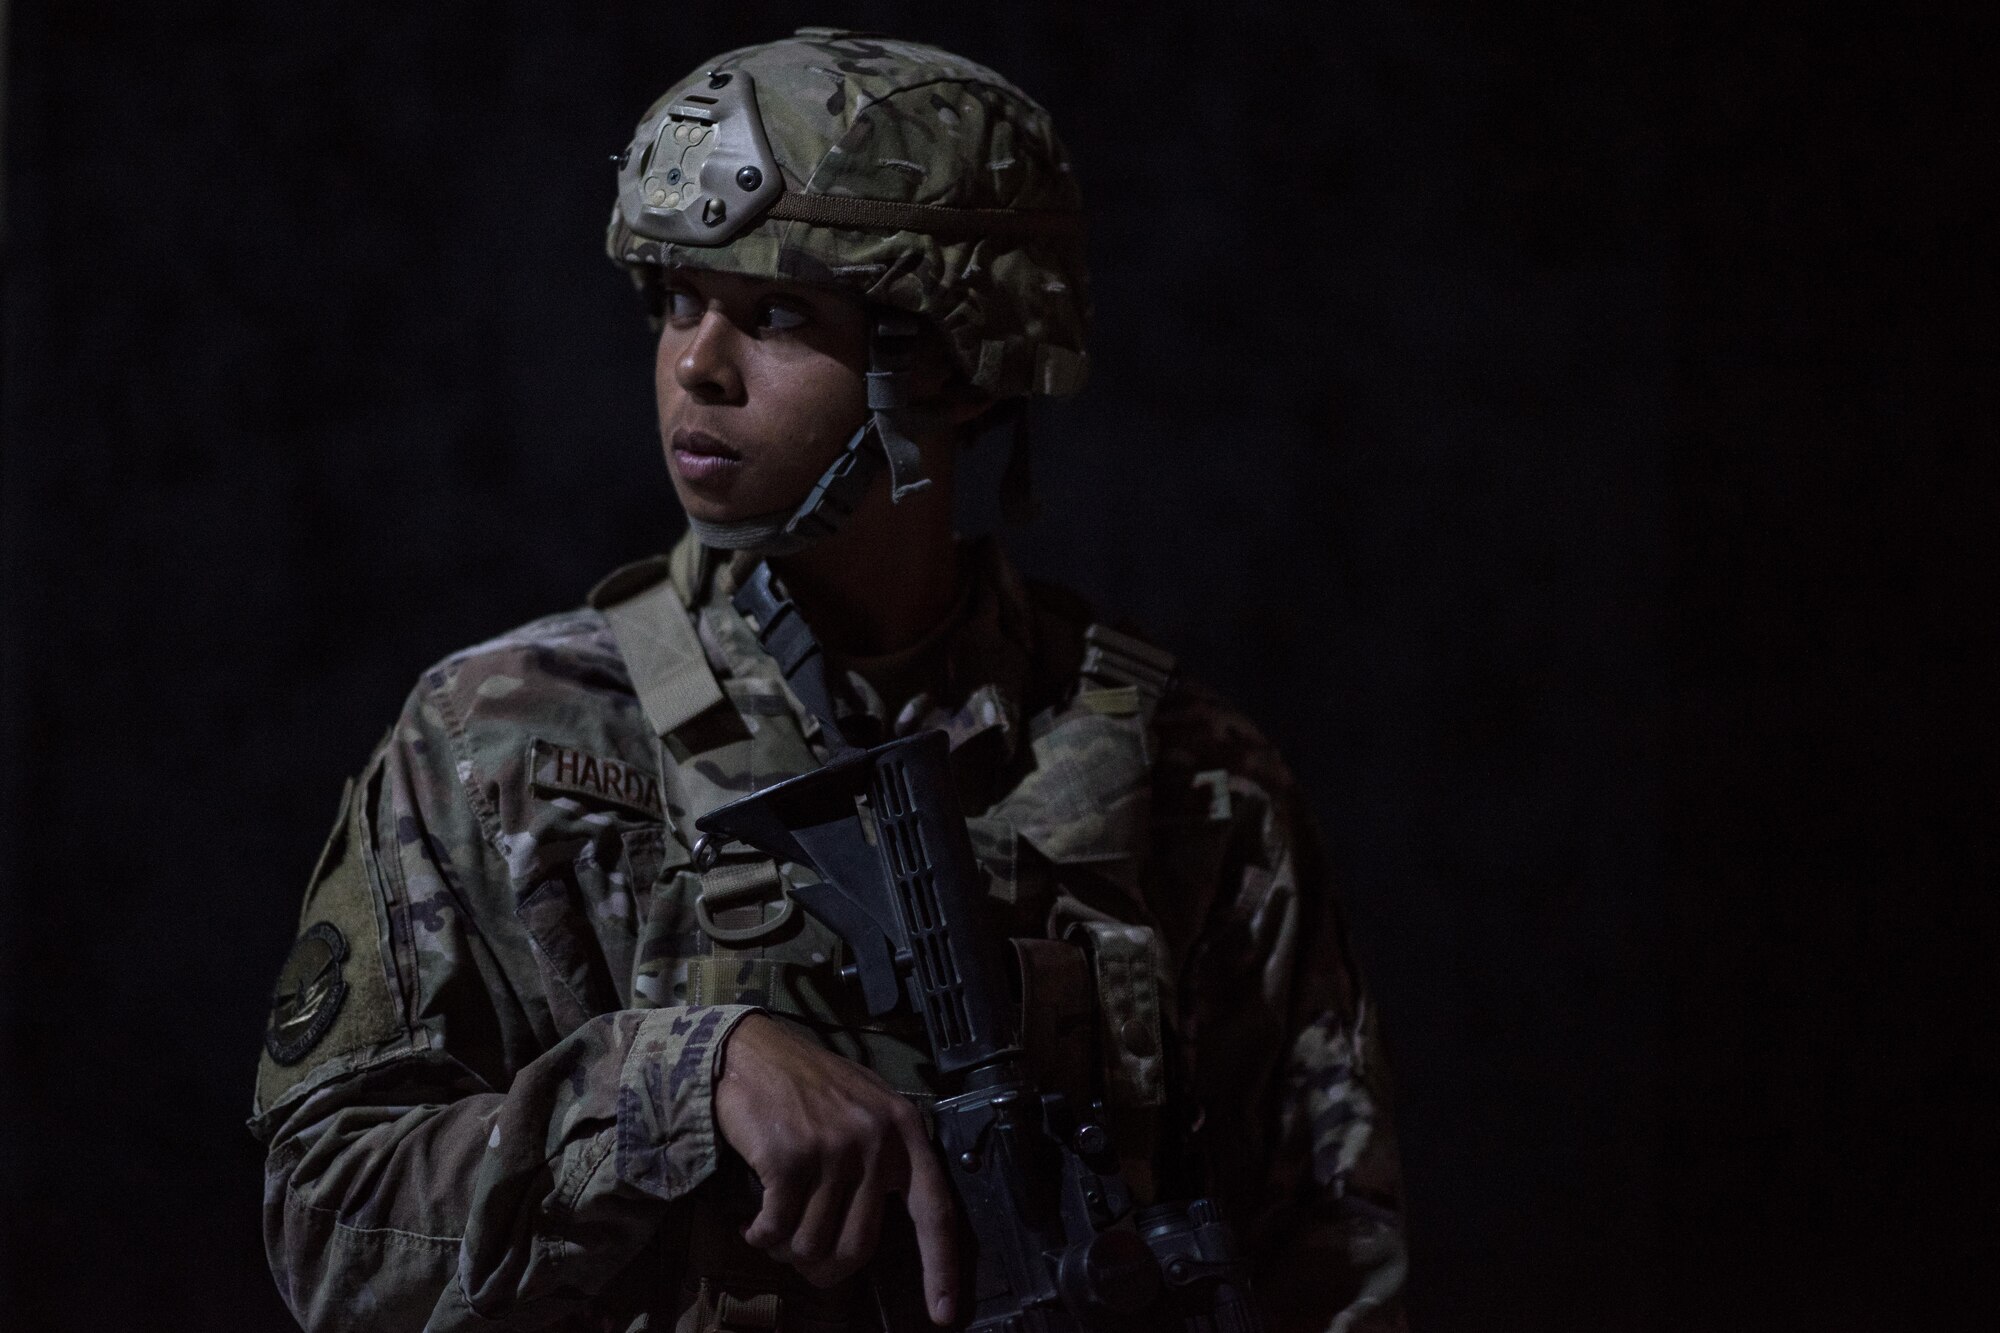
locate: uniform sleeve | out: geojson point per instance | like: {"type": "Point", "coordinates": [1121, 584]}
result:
{"type": "Point", "coordinates": [429, 1167]}
{"type": "Point", "coordinates": [1281, 1037]}
{"type": "Point", "coordinates": [1336, 1178]}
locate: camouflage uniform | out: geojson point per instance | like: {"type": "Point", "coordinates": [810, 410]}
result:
{"type": "Point", "coordinates": [487, 1089]}
{"type": "Point", "coordinates": [488, 1081]}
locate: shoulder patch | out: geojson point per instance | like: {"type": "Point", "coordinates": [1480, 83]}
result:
{"type": "Point", "coordinates": [561, 770]}
{"type": "Point", "coordinates": [335, 1005]}
{"type": "Point", "coordinates": [311, 988]}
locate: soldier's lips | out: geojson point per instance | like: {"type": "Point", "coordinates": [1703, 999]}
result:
{"type": "Point", "coordinates": [699, 457]}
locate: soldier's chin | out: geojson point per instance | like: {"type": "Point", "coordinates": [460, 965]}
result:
{"type": "Point", "coordinates": [709, 508]}
{"type": "Point", "coordinates": [740, 504]}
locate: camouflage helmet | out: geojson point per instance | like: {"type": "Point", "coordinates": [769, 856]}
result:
{"type": "Point", "coordinates": [911, 177]}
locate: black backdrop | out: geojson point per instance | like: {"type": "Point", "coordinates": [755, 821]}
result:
{"type": "Point", "coordinates": [1553, 428]}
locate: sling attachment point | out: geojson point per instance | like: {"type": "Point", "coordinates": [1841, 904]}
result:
{"type": "Point", "coordinates": [732, 909]}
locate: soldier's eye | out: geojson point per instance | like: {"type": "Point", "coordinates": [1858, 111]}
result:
{"type": "Point", "coordinates": [683, 305]}
{"type": "Point", "coordinates": [781, 315]}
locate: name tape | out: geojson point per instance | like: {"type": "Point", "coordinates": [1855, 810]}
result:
{"type": "Point", "coordinates": [560, 770]}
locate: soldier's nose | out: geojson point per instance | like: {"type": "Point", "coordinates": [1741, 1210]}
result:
{"type": "Point", "coordinates": [706, 367]}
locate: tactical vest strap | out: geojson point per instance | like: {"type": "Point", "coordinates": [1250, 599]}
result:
{"type": "Point", "coordinates": [1114, 659]}
{"type": "Point", "coordinates": [1058, 1015]}
{"type": "Point", "coordinates": [1128, 964]}
{"type": "Point", "coordinates": [731, 978]}
{"type": "Point", "coordinates": [656, 637]}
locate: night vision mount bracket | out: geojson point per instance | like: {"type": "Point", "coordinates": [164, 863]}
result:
{"type": "Point", "coordinates": [699, 171]}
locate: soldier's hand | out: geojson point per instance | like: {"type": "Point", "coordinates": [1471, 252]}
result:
{"type": "Point", "coordinates": [830, 1141]}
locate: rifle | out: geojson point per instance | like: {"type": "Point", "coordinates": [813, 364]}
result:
{"type": "Point", "coordinates": [1056, 1242]}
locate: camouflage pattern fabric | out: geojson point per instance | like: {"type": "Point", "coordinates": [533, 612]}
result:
{"type": "Point", "coordinates": [502, 1115]}
{"type": "Point", "coordinates": [867, 117]}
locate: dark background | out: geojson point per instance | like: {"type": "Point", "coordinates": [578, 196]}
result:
{"type": "Point", "coordinates": [1566, 433]}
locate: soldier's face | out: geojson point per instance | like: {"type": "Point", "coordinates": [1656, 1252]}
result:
{"type": "Point", "coordinates": [759, 385]}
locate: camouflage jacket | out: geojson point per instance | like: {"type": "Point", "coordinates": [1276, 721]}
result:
{"type": "Point", "coordinates": [487, 1078]}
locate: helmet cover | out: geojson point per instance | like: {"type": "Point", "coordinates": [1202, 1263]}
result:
{"type": "Point", "coordinates": [905, 175]}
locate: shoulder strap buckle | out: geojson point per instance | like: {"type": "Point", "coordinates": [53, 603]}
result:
{"type": "Point", "coordinates": [734, 896]}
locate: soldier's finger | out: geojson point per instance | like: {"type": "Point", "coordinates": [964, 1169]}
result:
{"type": "Point", "coordinates": [820, 1224]}
{"type": "Point", "coordinates": [786, 1194]}
{"type": "Point", "coordinates": [929, 1201]}
{"type": "Point", "coordinates": [863, 1230]}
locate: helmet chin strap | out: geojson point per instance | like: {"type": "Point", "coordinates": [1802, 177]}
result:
{"type": "Point", "coordinates": [888, 436]}
{"type": "Point", "coordinates": [764, 535]}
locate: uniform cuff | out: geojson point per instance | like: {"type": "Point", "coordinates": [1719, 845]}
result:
{"type": "Point", "coordinates": [667, 1141]}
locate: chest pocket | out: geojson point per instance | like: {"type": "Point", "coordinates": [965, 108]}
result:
{"type": "Point", "coordinates": [579, 905]}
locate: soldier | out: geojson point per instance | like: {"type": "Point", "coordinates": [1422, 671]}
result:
{"type": "Point", "coordinates": [520, 1027]}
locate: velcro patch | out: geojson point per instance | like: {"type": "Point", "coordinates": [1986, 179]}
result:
{"type": "Point", "coordinates": [308, 995]}
{"type": "Point", "coordinates": [559, 770]}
